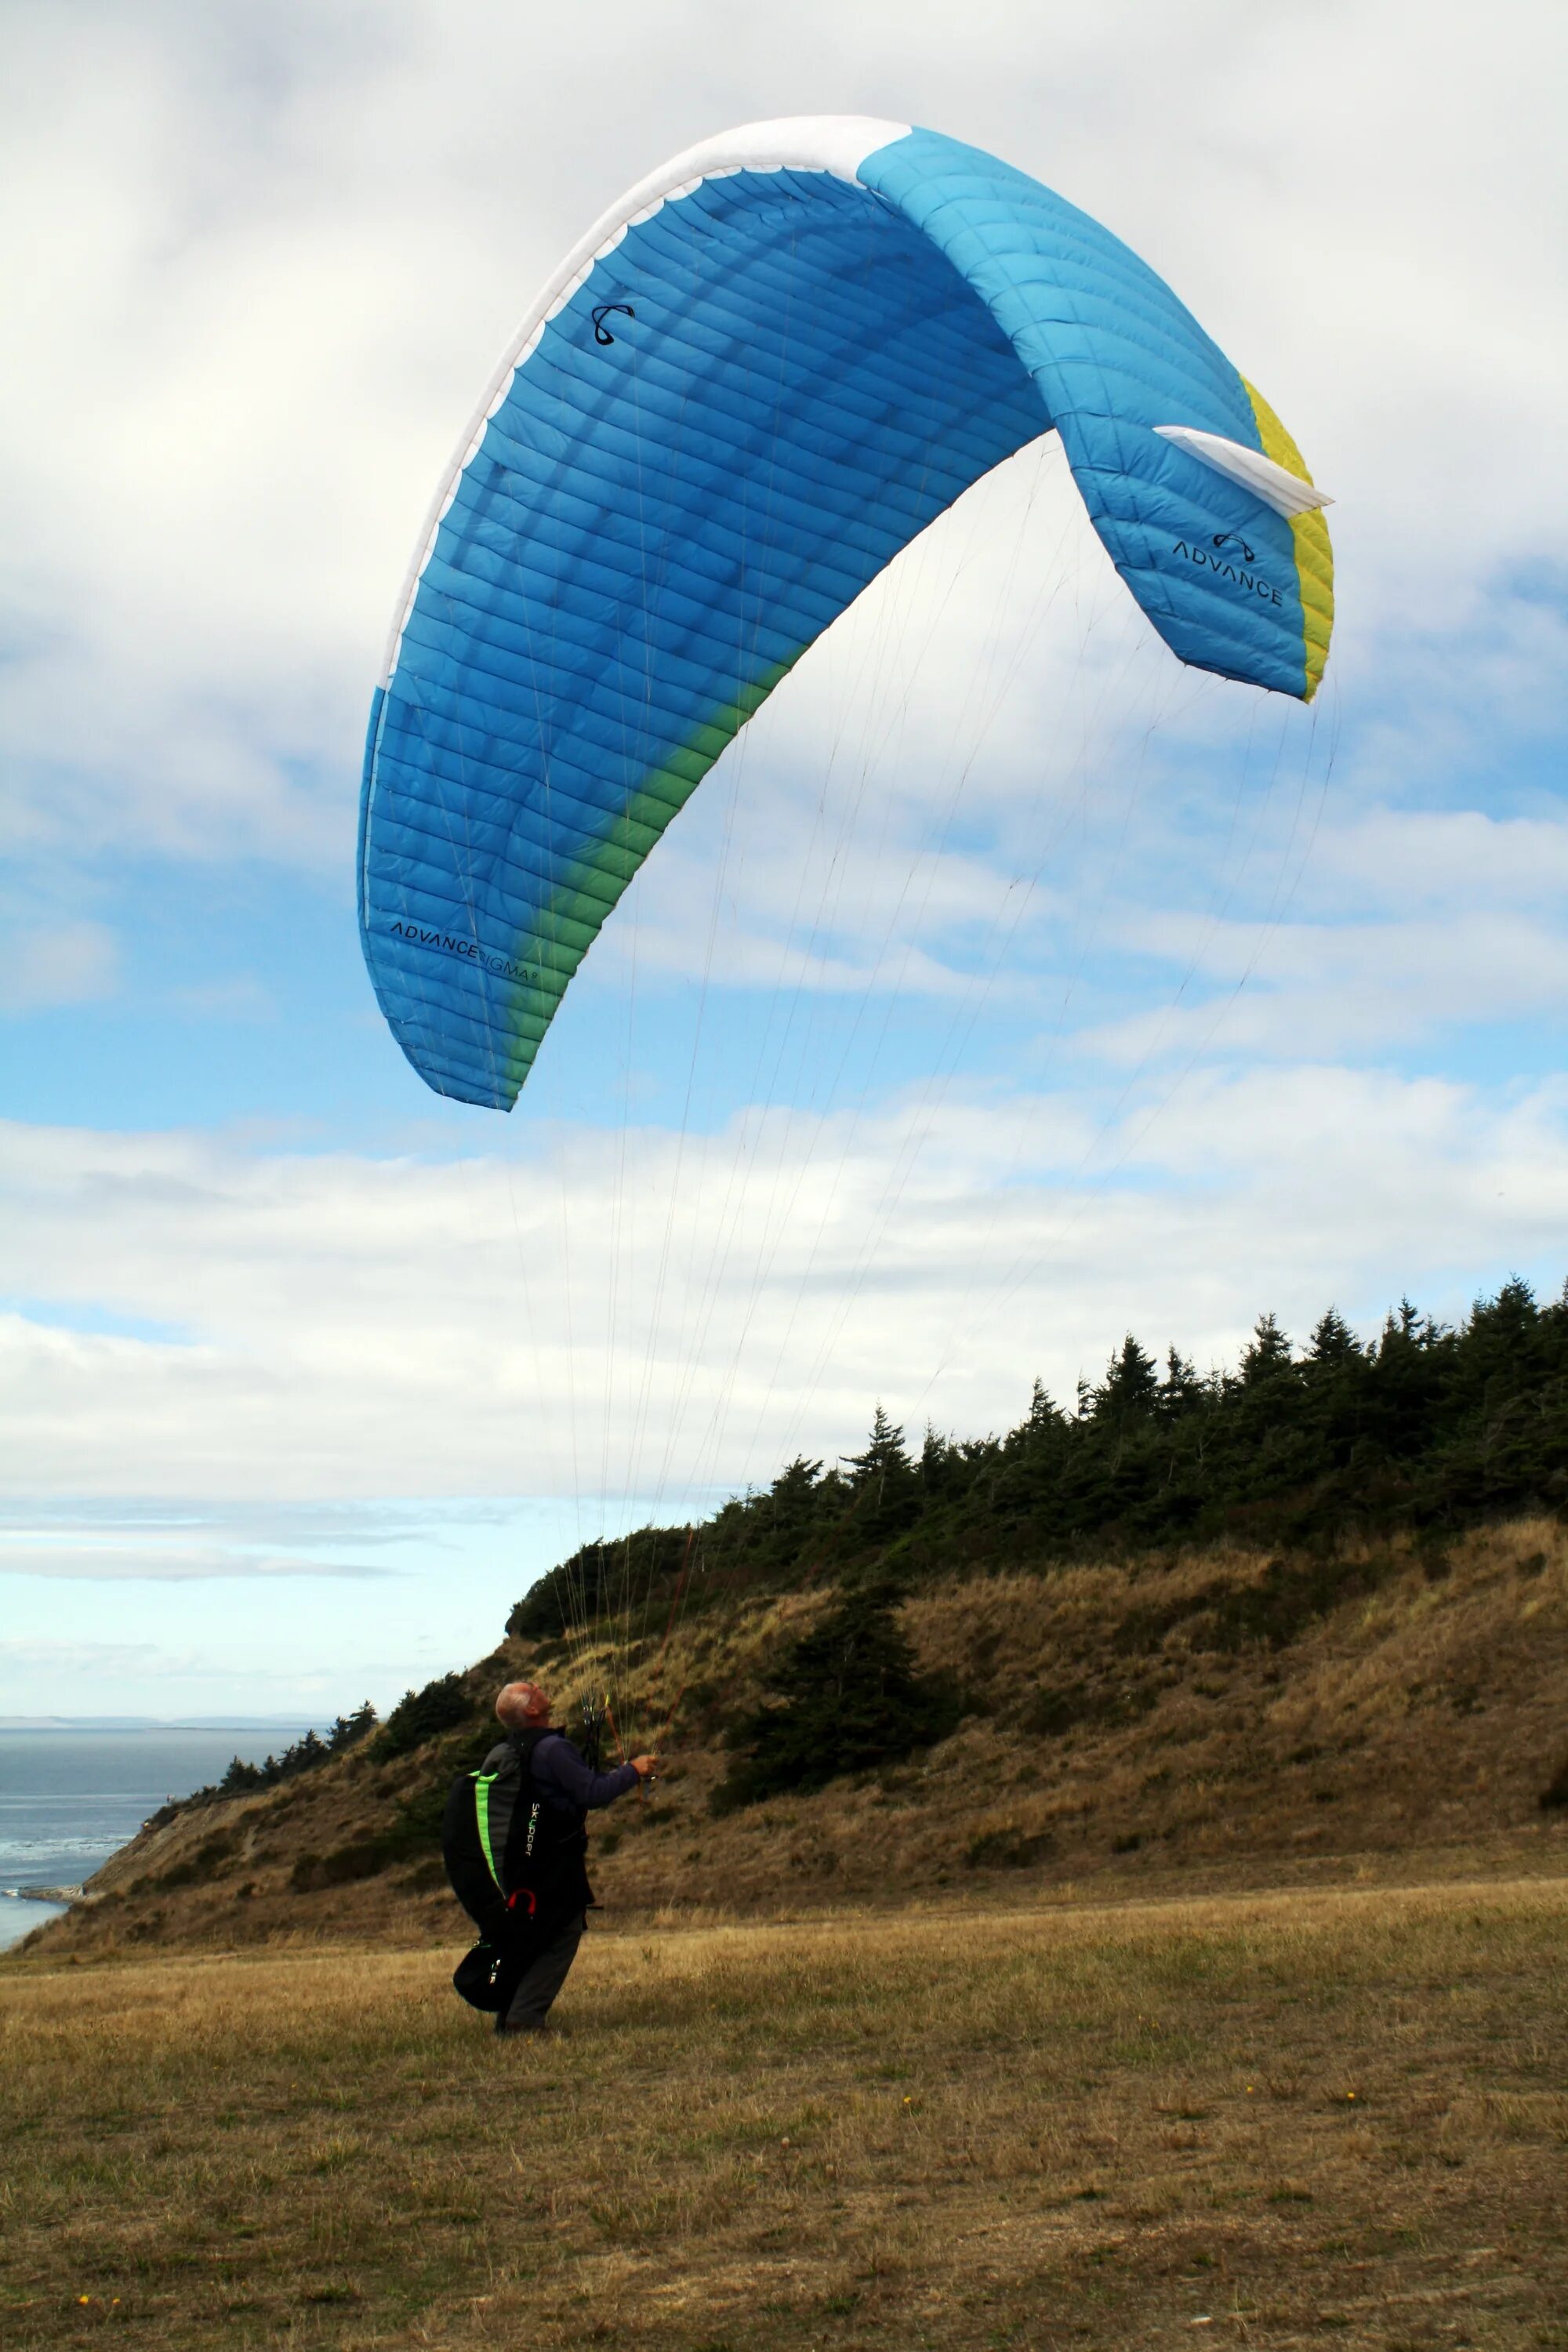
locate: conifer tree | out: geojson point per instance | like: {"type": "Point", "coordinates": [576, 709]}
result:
{"type": "Point", "coordinates": [1333, 1340]}
{"type": "Point", "coordinates": [793, 1495]}
{"type": "Point", "coordinates": [882, 1479]}
{"type": "Point", "coordinates": [1266, 1354]}
{"type": "Point", "coordinates": [348, 1728]}
{"type": "Point", "coordinates": [843, 1698]}
{"type": "Point", "coordinates": [936, 1465]}
{"type": "Point", "coordinates": [1043, 1419]}
{"type": "Point", "coordinates": [884, 1457]}
{"type": "Point", "coordinates": [1181, 1390]}
{"type": "Point", "coordinates": [1130, 1383]}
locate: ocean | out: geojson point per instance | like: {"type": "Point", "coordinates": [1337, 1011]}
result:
{"type": "Point", "coordinates": [71, 1797]}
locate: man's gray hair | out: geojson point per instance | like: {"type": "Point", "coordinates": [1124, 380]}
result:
{"type": "Point", "coordinates": [518, 1704]}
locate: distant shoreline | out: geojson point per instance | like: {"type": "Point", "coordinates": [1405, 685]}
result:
{"type": "Point", "coordinates": [155, 1723]}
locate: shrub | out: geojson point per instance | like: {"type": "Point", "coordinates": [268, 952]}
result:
{"type": "Point", "coordinates": [423, 1714]}
{"type": "Point", "coordinates": [414, 1834]}
{"type": "Point", "coordinates": [843, 1698]}
{"type": "Point", "coordinates": [303, 1755]}
{"type": "Point", "coordinates": [1005, 1848]}
{"type": "Point", "coordinates": [1058, 1708]}
{"type": "Point", "coordinates": [367, 1858]}
{"type": "Point", "coordinates": [199, 1865]}
{"type": "Point", "coordinates": [416, 1821]}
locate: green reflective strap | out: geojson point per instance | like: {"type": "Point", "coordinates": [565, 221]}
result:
{"type": "Point", "coordinates": [483, 1783]}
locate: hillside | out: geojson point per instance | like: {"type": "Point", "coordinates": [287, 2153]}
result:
{"type": "Point", "coordinates": [1204, 1718]}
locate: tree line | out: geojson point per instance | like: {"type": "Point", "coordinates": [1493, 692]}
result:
{"type": "Point", "coordinates": [1424, 1427]}
{"type": "Point", "coordinates": [303, 1755]}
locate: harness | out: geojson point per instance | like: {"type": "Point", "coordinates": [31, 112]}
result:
{"type": "Point", "coordinates": [515, 1861]}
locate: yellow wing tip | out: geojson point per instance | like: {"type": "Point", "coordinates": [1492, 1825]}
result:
{"type": "Point", "coordinates": [1314, 550]}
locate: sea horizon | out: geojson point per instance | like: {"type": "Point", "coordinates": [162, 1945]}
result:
{"type": "Point", "coordinates": [74, 1791]}
{"type": "Point", "coordinates": [233, 1721]}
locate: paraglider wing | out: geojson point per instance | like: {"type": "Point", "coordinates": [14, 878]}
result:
{"type": "Point", "coordinates": [756, 379]}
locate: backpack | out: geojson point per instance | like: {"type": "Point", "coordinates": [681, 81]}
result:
{"type": "Point", "coordinates": [515, 1863]}
{"type": "Point", "coordinates": [488, 1977]}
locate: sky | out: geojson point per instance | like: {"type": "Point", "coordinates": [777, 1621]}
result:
{"type": "Point", "coordinates": [1005, 988]}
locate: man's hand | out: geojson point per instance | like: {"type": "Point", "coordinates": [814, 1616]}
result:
{"type": "Point", "coordinates": [645, 1767]}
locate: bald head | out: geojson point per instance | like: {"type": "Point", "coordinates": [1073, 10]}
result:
{"type": "Point", "coordinates": [522, 1707]}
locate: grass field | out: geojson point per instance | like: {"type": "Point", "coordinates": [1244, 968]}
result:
{"type": "Point", "coordinates": [1332, 2118]}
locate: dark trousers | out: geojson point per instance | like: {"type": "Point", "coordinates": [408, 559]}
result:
{"type": "Point", "coordinates": [542, 1979]}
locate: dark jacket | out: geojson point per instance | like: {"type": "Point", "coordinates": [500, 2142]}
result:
{"type": "Point", "coordinates": [546, 1853]}
{"type": "Point", "coordinates": [570, 1785]}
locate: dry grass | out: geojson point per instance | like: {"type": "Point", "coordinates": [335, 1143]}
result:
{"type": "Point", "coordinates": [1145, 1723]}
{"type": "Point", "coordinates": [1323, 2118]}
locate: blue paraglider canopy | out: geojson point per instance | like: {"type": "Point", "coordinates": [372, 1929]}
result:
{"type": "Point", "coordinates": [753, 384]}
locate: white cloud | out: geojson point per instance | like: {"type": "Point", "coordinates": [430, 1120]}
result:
{"type": "Point", "coordinates": [103, 1676]}
{"type": "Point", "coordinates": [1316, 991]}
{"type": "Point", "coordinates": [57, 964]}
{"type": "Point", "coordinates": [248, 1525]}
{"type": "Point", "coordinates": [1455, 859]}
{"type": "Point", "coordinates": [25, 1658]}
{"type": "Point", "coordinates": [123, 1560]}
{"type": "Point", "coordinates": [683, 1316]}
{"type": "Point", "coordinates": [261, 265]}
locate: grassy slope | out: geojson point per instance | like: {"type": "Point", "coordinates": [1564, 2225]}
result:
{"type": "Point", "coordinates": [1223, 1718]}
{"type": "Point", "coordinates": [1300, 2120]}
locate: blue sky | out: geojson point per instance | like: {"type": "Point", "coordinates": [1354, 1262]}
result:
{"type": "Point", "coordinates": [1004, 988]}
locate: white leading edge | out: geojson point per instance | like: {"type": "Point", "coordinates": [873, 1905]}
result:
{"type": "Point", "coordinates": [838, 144]}
{"type": "Point", "coordinates": [1286, 492]}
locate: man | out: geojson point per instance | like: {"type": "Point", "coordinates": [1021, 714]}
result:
{"type": "Point", "coordinates": [547, 1850]}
